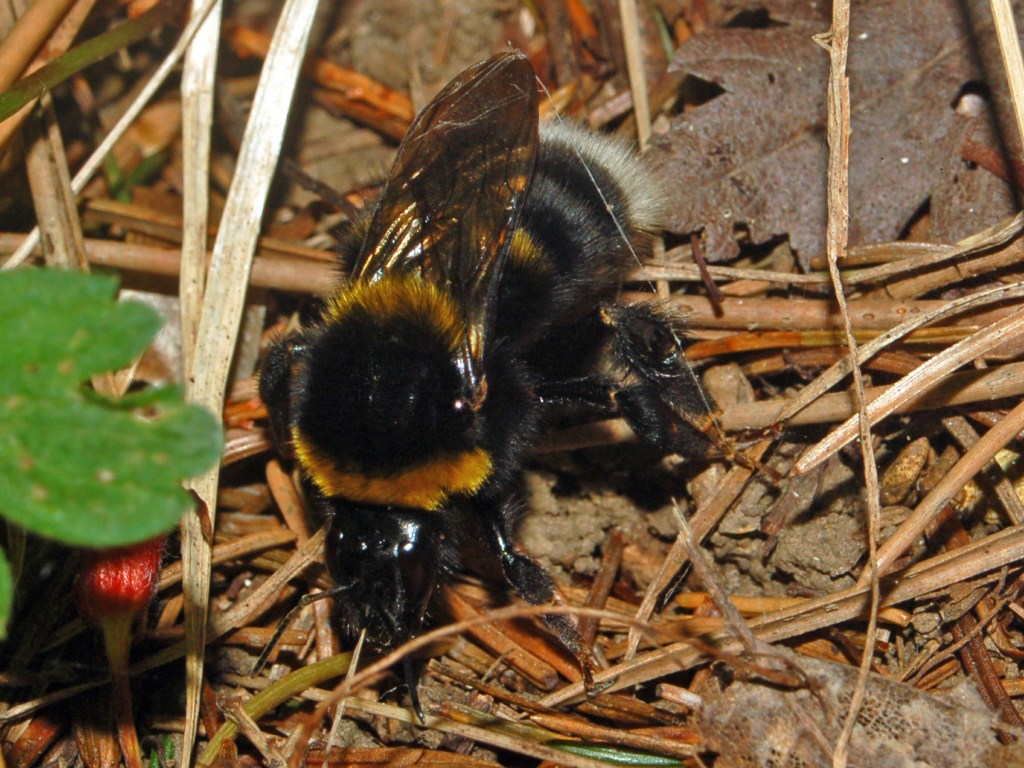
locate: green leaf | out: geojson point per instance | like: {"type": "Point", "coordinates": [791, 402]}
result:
{"type": "Point", "coordinates": [6, 594]}
{"type": "Point", "coordinates": [73, 465]}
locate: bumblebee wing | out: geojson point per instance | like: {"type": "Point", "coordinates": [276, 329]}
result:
{"type": "Point", "coordinates": [454, 194]}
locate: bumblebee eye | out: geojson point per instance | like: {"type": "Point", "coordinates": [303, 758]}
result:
{"type": "Point", "coordinates": [463, 415]}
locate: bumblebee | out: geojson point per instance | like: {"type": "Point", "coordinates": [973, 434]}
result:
{"type": "Point", "coordinates": [481, 296]}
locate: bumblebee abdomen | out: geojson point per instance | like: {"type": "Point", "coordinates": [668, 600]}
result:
{"type": "Point", "coordinates": [586, 220]}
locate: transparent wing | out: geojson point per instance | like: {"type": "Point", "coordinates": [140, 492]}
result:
{"type": "Point", "coordinates": [454, 194]}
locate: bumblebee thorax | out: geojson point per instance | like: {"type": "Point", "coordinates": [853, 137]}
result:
{"type": "Point", "coordinates": [381, 402]}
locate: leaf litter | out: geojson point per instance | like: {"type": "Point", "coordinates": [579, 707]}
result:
{"type": "Point", "coordinates": [746, 167]}
{"type": "Point", "coordinates": [753, 157]}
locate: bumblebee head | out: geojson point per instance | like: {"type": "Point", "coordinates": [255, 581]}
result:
{"type": "Point", "coordinates": [389, 560]}
{"type": "Point", "coordinates": [384, 411]}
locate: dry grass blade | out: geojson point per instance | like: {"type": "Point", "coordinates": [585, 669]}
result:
{"type": "Point", "coordinates": [934, 575]}
{"type": "Point", "coordinates": [994, 236]}
{"type": "Point", "coordinates": [837, 372]}
{"type": "Point", "coordinates": [223, 304]}
{"type": "Point", "coordinates": [915, 383]}
{"type": "Point", "coordinates": [232, 550]}
{"type": "Point", "coordinates": [835, 247]}
{"type": "Point", "coordinates": [90, 166]}
{"type": "Point", "coordinates": [197, 83]}
{"type": "Point", "coordinates": [1009, 47]}
{"type": "Point", "coordinates": [652, 271]}
{"type": "Point", "coordinates": [969, 465]}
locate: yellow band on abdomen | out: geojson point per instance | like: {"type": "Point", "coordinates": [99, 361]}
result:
{"type": "Point", "coordinates": [426, 485]}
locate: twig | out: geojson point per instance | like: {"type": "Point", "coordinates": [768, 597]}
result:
{"type": "Point", "coordinates": [918, 381]}
{"type": "Point", "coordinates": [835, 247]}
{"type": "Point", "coordinates": [934, 575]}
{"type": "Point", "coordinates": [834, 375]}
{"type": "Point", "coordinates": [611, 558]}
{"type": "Point", "coordinates": [30, 32]}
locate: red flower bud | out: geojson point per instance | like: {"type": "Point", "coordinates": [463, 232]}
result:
{"type": "Point", "coordinates": [113, 587]}
{"type": "Point", "coordinates": [115, 583]}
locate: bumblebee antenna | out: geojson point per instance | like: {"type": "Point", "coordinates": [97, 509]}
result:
{"type": "Point", "coordinates": [409, 672]}
{"type": "Point", "coordinates": [282, 625]}
{"type": "Point", "coordinates": [411, 684]}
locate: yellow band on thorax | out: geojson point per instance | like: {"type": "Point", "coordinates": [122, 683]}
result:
{"type": "Point", "coordinates": [399, 295]}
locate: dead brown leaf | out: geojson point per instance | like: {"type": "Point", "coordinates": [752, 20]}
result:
{"type": "Point", "coordinates": [754, 157]}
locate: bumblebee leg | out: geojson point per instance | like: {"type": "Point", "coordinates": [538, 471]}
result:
{"type": "Point", "coordinates": [533, 583]}
{"type": "Point", "coordinates": [661, 424]}
{"type": "Point", "coordinates": [275, 385]}
{"type": "Point", "coordinates": [663, 402]}
{"type": "Point", "coordinates": [591, 392]}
